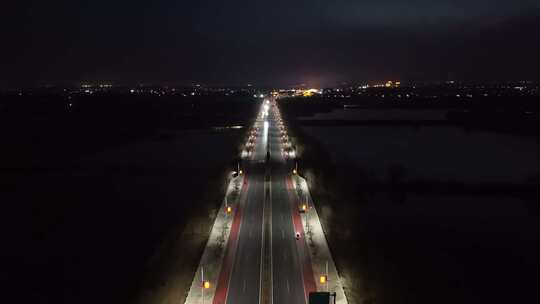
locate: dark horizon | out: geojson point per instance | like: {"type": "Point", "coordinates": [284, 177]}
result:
{"type": "Point", "coordinates": [149, 154]}
{"type": "Point", "coordinates": [278, 44]}
{"type": "Point", "coordinates": [113, 86]}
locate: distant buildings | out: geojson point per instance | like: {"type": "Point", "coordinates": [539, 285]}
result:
{"type": "Point", "coordinates": [283, 93]}
{"type": "Point", "coordinates": [388, 89]}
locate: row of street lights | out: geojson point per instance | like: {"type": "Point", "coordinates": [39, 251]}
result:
{"type": "Point", "coordinates": [288, 150]}
{"type": "Point", "coordinates": [254, 132]}
{"type": "Point", "coordinates": [205, 284]}
{"type": "Point", "coordinates": [304, 208]}
{"type": "Point", "coordinates": [323, 279]}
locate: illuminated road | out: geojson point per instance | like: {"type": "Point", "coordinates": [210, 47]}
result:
{"type": "Point", "coordinates": [287, 252]}
{"type": "Point", "coordinates": [289, 267]}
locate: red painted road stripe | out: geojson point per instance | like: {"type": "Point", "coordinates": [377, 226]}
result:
{"type": "Point", "coordinates": [307, 270]}
{"type": "Point", "coordinates": [220, 296]}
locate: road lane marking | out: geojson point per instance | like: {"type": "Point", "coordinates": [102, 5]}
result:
{"type": "Point", "coordinates": [282, 234]}
{"type": "Point", "coordinates": [288, 287]}
{"type": "Point", "coordinates": [262, 261]}
{"type": "Point", "coordinates": [244, 288]}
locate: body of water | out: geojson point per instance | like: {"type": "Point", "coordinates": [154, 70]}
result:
{"type": "Point", "coordinates": [443, 153]}
{"type": "Point", "coordinates": [434, 152]}
{"type": "Point", "coordinates": [387, 114]}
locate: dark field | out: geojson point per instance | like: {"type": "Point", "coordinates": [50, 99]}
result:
{"type": "Point", "coordinates": [91, 200]}
{"type": "Point", "coordinates": [426, 214]}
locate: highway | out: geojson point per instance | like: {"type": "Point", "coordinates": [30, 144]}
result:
{"type": "Point", "coordinates": [269, 199]}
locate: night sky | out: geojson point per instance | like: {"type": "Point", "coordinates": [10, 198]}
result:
{"type": "Point", "coordinates": [274, 42]}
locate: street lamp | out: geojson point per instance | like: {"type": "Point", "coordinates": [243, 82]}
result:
{"type": "Point", "coordinates": [326, 276]}
{"type": "Point", "coordinates": [205, 284]}
{"type": "Point", "coordinates": [227, 207]}
{"type": "Point", "coordinates": [304, 193]}
{"type": "Point", "coordinates": [305, 211]}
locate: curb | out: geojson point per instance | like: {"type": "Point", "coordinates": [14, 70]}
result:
{"type": "Point", "coordinates": [318, 247]}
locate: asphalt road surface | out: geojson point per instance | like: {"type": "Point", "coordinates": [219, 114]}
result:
{"type": "Point", "coordinates": [288, 255]}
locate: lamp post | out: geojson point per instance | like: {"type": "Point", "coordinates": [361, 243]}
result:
{"type": "Point", "coordinates": [305, 209]}
{"type": "Point", "coordinates": [238, 169]}
{"type": "Point", "coordinates": [323, 279]}
{"type": "Point", "coordinates": [305, 219]}
{"type": "Point", "coordinates": [327, 287]}
{"type": "Point", "coordinates": [307, 205]}
{"type": "Point", "coordinates": [228, 208]}
{"type": "Point", "coordinates": [204, 284]}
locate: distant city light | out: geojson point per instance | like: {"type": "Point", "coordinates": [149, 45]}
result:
{"type": "Point", "coordinates": [307, 93]}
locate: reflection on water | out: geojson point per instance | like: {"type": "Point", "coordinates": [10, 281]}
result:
{"type": "Point", "coordinates": [388, 114]}
{"type": "Point", "coordinates": [226, 127]}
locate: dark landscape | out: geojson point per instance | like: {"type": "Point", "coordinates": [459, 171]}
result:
{"type": "Point", "coordinates": [271, 152]}
{"type": "Point", "coordinates": [401, 238]}
{"type": "Point", "coordinates": [93, 189]}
